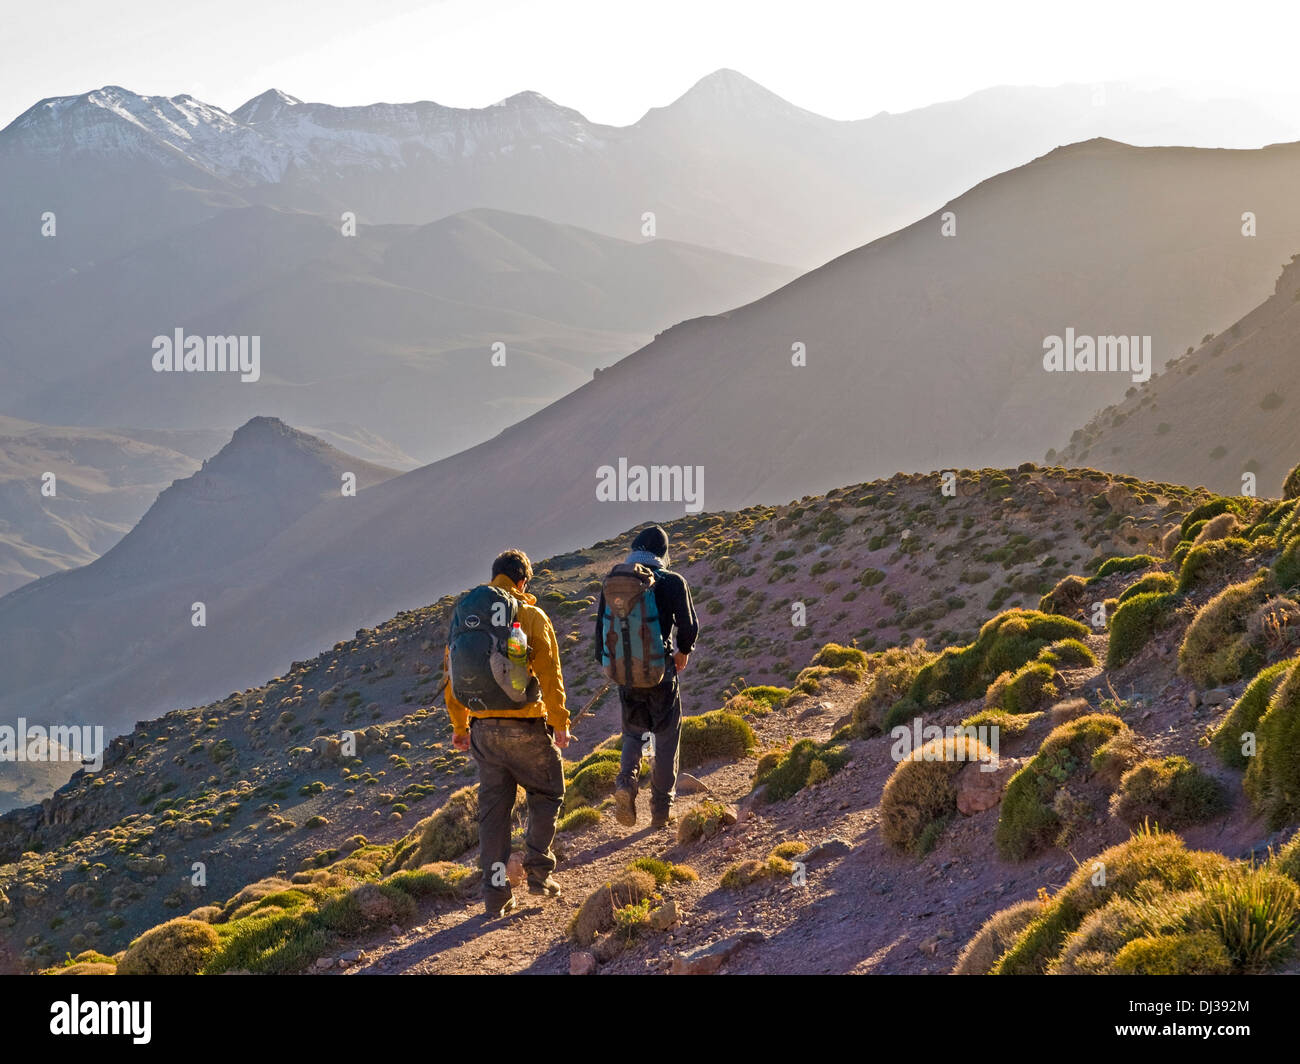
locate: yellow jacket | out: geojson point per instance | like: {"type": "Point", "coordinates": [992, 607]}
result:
{"type": "Point", "coordinates": [543, 662]}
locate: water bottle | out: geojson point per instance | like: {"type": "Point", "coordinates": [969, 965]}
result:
{"type": "Point", "coordinates": [517, 652]}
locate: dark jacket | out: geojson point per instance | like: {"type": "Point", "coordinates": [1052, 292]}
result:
{"type": "Point", "coordinates": [676, 612]}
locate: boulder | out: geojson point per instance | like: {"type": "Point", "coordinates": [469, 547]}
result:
{"type": "Point", "coordinates": [978, 790]}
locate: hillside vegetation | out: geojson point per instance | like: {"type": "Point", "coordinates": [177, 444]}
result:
{"type": "Point", "coordinates": [1136, 675]}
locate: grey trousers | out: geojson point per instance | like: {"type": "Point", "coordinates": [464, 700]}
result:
{"type": "Point", "coordinates": [658, 712]}
{"type": "Point", "coordinates": [514, 753]}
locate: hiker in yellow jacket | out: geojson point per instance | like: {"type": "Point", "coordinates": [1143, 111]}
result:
{"type": "Point", "coordinates": [517, 747]}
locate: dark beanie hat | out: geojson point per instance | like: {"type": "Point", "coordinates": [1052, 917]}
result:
{"type": "Point", "coordinates": [654, 539]}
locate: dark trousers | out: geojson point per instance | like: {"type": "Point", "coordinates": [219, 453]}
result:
{"type": "Point", "coordinates": [655, 711]}
{"type": "Point", "coordinates": [510, 754]}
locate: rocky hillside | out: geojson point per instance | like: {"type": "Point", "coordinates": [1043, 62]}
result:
{"type": "Point", "coordinates": [1186, 423]}
{"type": "Point", "coordinates": [257, 784]}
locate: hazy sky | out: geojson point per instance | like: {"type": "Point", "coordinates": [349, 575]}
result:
{"type": "Point", "coordinates": [612, 59]}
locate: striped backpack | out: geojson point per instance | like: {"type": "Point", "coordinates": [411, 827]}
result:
{"type": "Point", "coordinates": [633, 652]}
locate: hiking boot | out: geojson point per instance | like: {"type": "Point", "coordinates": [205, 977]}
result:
{"type": "Point", "coordinates": [505, 909]}
{"type": "Point", "coordinates": [547, 887]}
{"type": "Point", "coordinates": [663, 819]}
{"type": "Point", "coordinates": [625, 806]}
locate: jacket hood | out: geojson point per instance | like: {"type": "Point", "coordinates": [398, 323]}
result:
{"type": "Point", "coordinates": [507, 585]}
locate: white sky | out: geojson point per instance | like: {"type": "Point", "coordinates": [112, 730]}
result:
{"type": "Point", "coordinates": [613, 59]}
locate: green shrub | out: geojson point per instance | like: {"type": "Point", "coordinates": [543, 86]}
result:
{"type": "Point", "coordinates": [1208, 510]}
{"type": "Point", "coordinates": [1287, 567]}
{"type": "Point", "coordinates": [1171, 792]}
{"type": "Point", "coordinates": [922, 791]}
{"type": "Point", "coordinates": [1272, 779]}
{"type": "Point", "coordinates": [1149, 861]}
{"type": "Point", "coordinates": [793, 771]}
{"type": "Point", "coordinates": [665, 872]}
{"type": "Point", "coordinates": [1026, 690]}
{"type": "Point", "coordinates": [1254, 911]}
{"type": "Point", "coordinates": [1152, 582]}
{"type": "Point", "coordinates": [178, 947]}
{"type": "Point", "coordinates": [1135, 622]}
{"type": "Point", "coordinates": [1188, 953]}
{"type": "Point", "coordinates": [715, 735]}
{"type": "Point", "coordinates": [1004, 643]}
{"type": "Point", "coordinates": [590, 784]}
{"type": "Point", "coordinates": [1125, 565]}
{"type": "Point", "coordinates": [1211, 563]}
{"type": "Point", "coordinates": [1028, 821]}
{"type": "Point", "coordinates": [890, 673]}
{"type": "Point", "coordinates": [995, 936]}
{"type": "Point", "coordinates": [1217, 648]}
{"type": "Point", "coordinates": [582, 818]}
{"type": "Point", "coordinates": [833, 656]}
{"type": "Point", "coordinates": [1291, 486]}
{"type": "Point", "coordinates": [1066, 597]}
{"type": "Point", "coordinates": [1287, 860]}
{"type": "Point", "coordinates": [1008, 724]}
{"type": "Point", "coordinates": [441, 879]}
{"type": "Point", "coordinates": [1068, 654]}
{"type": "Point", "coordinates": [1244, 716]}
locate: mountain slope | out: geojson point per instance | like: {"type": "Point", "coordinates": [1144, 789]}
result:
{"type": "Point", "coordinates": [369, 330]}
{"type": "Point", "coordinates": [844, 555]}
{"type": "Point", "coordinates": [810, 856]}
{"type": "Point", "coordinates": [1224, 409]}
{"type": "Point", "coordinates": [1035, 254]}
{"type": "Point", "coordinates": [104, 481]}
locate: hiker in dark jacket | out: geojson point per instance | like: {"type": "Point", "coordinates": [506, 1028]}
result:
{"type": "Point", "coordinates": [654, 711]}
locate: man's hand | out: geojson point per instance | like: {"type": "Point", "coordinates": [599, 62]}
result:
{"type": "Point", "coordinates": [461, 742]}
{"type": "Point", "coordinates": [562, 737]}
{"type": "Point", "coordinates": [681, 661]}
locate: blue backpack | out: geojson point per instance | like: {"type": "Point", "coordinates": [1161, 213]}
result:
{"type": "Point", "coordinates": [632, 653]}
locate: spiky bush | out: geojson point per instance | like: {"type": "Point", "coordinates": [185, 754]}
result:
{"type": "Point", "coordinates": [715, 735]}
{"type": "Point", "coordinates": [922, 790]}
{"type": "Point", "coordinates": [1208, 510]}
{"type": "Point", "coordinates": [1152, 582]}
{"type": "Point", "coordinates": [1287, 567]}
{"type": "Point", "coordinates": [1068, 654]}
{"type": "Point", "coordinates": [1149, 862]}
{"type": "Point", "coordinates": [702, 821]}
{"type": "Point", "coordinates": [795, 770]}
{"type": "Point", "coordinates": [1211, 563]}
{"type": "Point", "coordinates": [1272, 779]}
{"type": "Point", "coordinates": [1169, 791]}
{"type": "Point", "coordinates": [1004, 643]}
{"type": "Point", "coordinates": [596, 914]}
{"type": "Point", "coordinates": [1066, 597]}
{"type": "Point", "coordinates": [834, 656]}
{"type": "Point", "coordinates": [178, 947]}
{"type": "Point", "coordinates": [890, 673]}
{"type": "Point", "coordinates": [1291, 486]}
{"type": "Point", "coordinates": [1026, 690]}
{"type": "Point", "coordinates": [1027, 820]}
{"type": "Point", "coordinates": [1184, 953]}
{"type": "Point", "coordinates": [1254, 912]}
{"type": "Point", "coordinates": [1218, 648]}
{"type": "Point", "coordinates": [1133, 564]}
{"type": "Point", "coordinates": [993, 938]}
{"type": "Point", "coordinates": [1134, 623]}
{"type": "Point", "coordinates": [1244, 716]}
